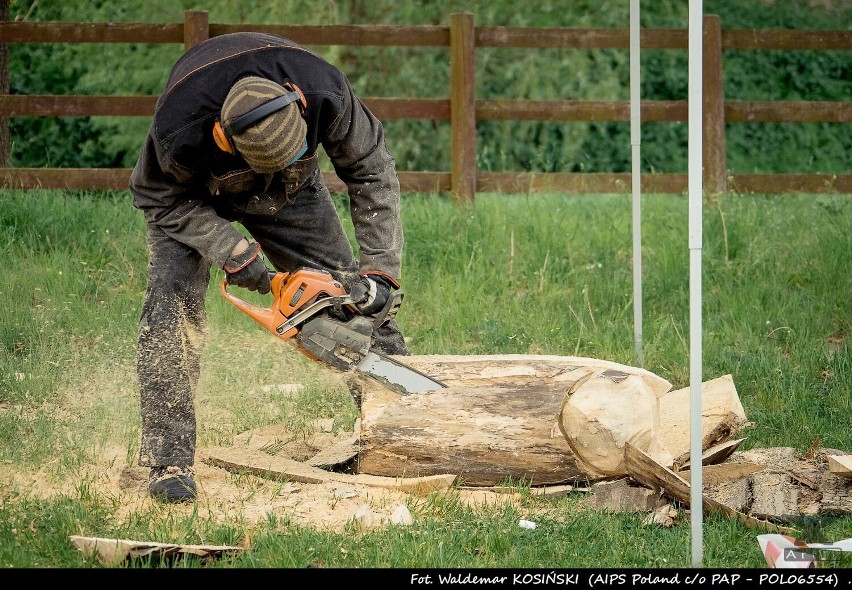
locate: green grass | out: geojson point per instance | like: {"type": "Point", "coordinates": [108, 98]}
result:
{"type": "Point", "coordinates": [549, 274]}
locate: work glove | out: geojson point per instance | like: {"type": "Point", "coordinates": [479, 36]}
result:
{"type": "Point", "coordinates": [248, 270]}
{"type": "Point", "coordinates": [370, 294]}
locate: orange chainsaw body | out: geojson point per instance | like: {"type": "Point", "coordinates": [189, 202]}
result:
{"type": "Point", "coordinates": [294, 296]}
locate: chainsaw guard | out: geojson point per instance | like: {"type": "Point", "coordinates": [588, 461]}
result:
{"type": "Point", "coordinates": [341, 345]}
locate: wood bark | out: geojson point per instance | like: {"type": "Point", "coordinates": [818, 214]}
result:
{"type": "Point", "coordinates": [643, 469]}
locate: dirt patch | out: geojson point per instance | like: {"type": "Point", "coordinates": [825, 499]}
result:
{"type": "Point", "coordinates": [245, 499]}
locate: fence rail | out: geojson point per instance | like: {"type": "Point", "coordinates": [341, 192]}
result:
{"type": "Point", "coordinates": [461, 108]}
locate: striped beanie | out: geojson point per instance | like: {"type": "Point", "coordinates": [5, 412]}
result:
{"type": "Point", "coordinates": [276, 140]}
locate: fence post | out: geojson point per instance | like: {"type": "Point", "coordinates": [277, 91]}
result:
{"type": "Point", "coordinates": [462, 108]}
{"type": "Point", "coordinates": [715, 164]}
{"type": "Point", "coordinates": [196, 28]}
{"type": "Point", "coordinates": [4, 89]}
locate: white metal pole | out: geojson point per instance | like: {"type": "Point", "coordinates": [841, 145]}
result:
{"type": "Point", "coordinates": [636, 170]}
{"type": "Point", "coordinates": [695, 187]}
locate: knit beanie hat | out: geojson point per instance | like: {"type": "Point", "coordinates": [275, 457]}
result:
{"type": "Point", "coordinates": [275, 141]}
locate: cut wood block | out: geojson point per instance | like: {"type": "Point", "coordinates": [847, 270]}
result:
{"type": "Point", "coordinates": [260, 464]}
{"type": "Point", "coordinates": [840, 465]}
{"type": "Point", "coordinates": [724, 472]}
{"type": "Point", "coordinates": [622, 495]}
{"type": "Point", "coordinates": [712, 456]}
{"type": "Point", "coordinates": [722, 415]}
{"type": "Point", "coordinates": [644, 470]}
{"type": "Point", "coordinates": [495, 421]}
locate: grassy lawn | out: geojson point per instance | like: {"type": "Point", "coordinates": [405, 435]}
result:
{"type": "Point", "coordinates": [512, 274]}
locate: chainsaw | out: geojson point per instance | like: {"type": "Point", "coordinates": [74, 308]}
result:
{"type": "Point", "coordinates": [313, 311]}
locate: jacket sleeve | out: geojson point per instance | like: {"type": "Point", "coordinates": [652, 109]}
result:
{"type": "Point", "coordinates": [355, 145]}
{"type": "Point", "coordinates": [169, 199]}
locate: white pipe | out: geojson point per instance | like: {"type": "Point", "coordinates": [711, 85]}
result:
{"type": "Point", "coordinates": [636, 171]}
{"type": "Point", "coordinates": [695, 182]}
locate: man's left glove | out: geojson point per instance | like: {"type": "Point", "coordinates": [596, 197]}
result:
{"type": "Point", "coordinates": [248, 270]}
{"type": "Point", "coordinates": [370, 294]}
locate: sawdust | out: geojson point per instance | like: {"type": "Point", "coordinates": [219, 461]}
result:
{"type": "Point", "coordinates": [111, 473]}
{"type": "Point", "coordinates": [227, 497]}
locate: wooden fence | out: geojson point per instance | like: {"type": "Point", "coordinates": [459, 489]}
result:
{"type": "Point", "coordinates": [462, 108]}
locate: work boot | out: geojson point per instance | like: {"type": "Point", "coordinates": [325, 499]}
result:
{"type": "Point", "coordinates": [171, 484]}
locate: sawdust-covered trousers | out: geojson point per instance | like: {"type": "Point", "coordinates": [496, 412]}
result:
{"type": "Point", "coordinates": [306, 231]}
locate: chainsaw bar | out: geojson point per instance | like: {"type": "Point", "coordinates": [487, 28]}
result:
{"type": "Point", "coordinates": [401, 378]}
{"type": "Point", "coordinates": [346, 346]}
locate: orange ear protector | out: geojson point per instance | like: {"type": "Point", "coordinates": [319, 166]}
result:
{"type": "Point", "coordinates": [222, 132]}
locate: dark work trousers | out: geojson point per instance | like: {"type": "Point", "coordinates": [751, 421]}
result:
{"type": "Point", "coordinates": [304, 231]}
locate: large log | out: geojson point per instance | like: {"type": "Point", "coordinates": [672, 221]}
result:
{"type": "Point", "coordinates": [497, 419]}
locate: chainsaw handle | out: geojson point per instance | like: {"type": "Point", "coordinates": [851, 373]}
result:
{"type": "Point", "coordinates": [268, 317]}
{"type": "Point", "coordinates": [388, 312]}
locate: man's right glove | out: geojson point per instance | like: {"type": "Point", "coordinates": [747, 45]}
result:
{"type": "Point", "coordinates": [370, 294]}
{"type": "Point", "coordinates": [248, 270]}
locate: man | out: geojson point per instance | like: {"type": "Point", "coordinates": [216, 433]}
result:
{"type": "Point", "coordinates": [234, 139]}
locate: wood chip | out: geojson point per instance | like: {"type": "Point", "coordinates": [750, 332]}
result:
{"type": "Point", "coordinates": [840, 465]}
{"type": "Point", "coordinates": [115, 551]}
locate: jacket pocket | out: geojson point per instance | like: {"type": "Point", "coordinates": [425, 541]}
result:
{"type": "Point", "coordinates": [296, 175]}
{"type": "Point", "coordinates": [232, 183]}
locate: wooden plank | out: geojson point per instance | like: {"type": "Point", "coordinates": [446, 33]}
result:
{"type": "Point", "coordinates": [417, 182]}
{"type": "Point", "coordinates": [577, 38]}
{"type": "Point", "coordinates": [786, 39]}
{"type": "Point", "coordinates": [579, 110]}
{"type": "Point", "coordinates": [22, 105]}
{"type": "Point", "coordinates": [388, 109]}
{"type": "Point", "coordinates": [60, 32]}
{"type": "Point", "coordinates": [65, 178]}
{"type": "Point", "coordinates": [840, 465]}
{"type": "Point", "coordinates": [352, 35]}
{"type": "Point", "coordinates": [742, 111]}
{"type": "Point", "coordinates": [648, 472]}
{"type": "Point", "coordinates": [67, 105]}
{"type": "Point", "coordinates": [576, 183]}
{"type": "Point", "coordinates": [499, 182]}
{"type": "Point", "coordinates": [774, 184]}
{"type": "Point", "coordinates": [260, 464]}
{"type": "Point", "coordinates": [437, 109]}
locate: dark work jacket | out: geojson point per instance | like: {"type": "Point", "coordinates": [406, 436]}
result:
{"type": "Point", "coordinates": [181, 176]}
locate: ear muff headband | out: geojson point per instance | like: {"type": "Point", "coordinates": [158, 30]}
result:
{"type": "Point", "coordinates": [222, 133]}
